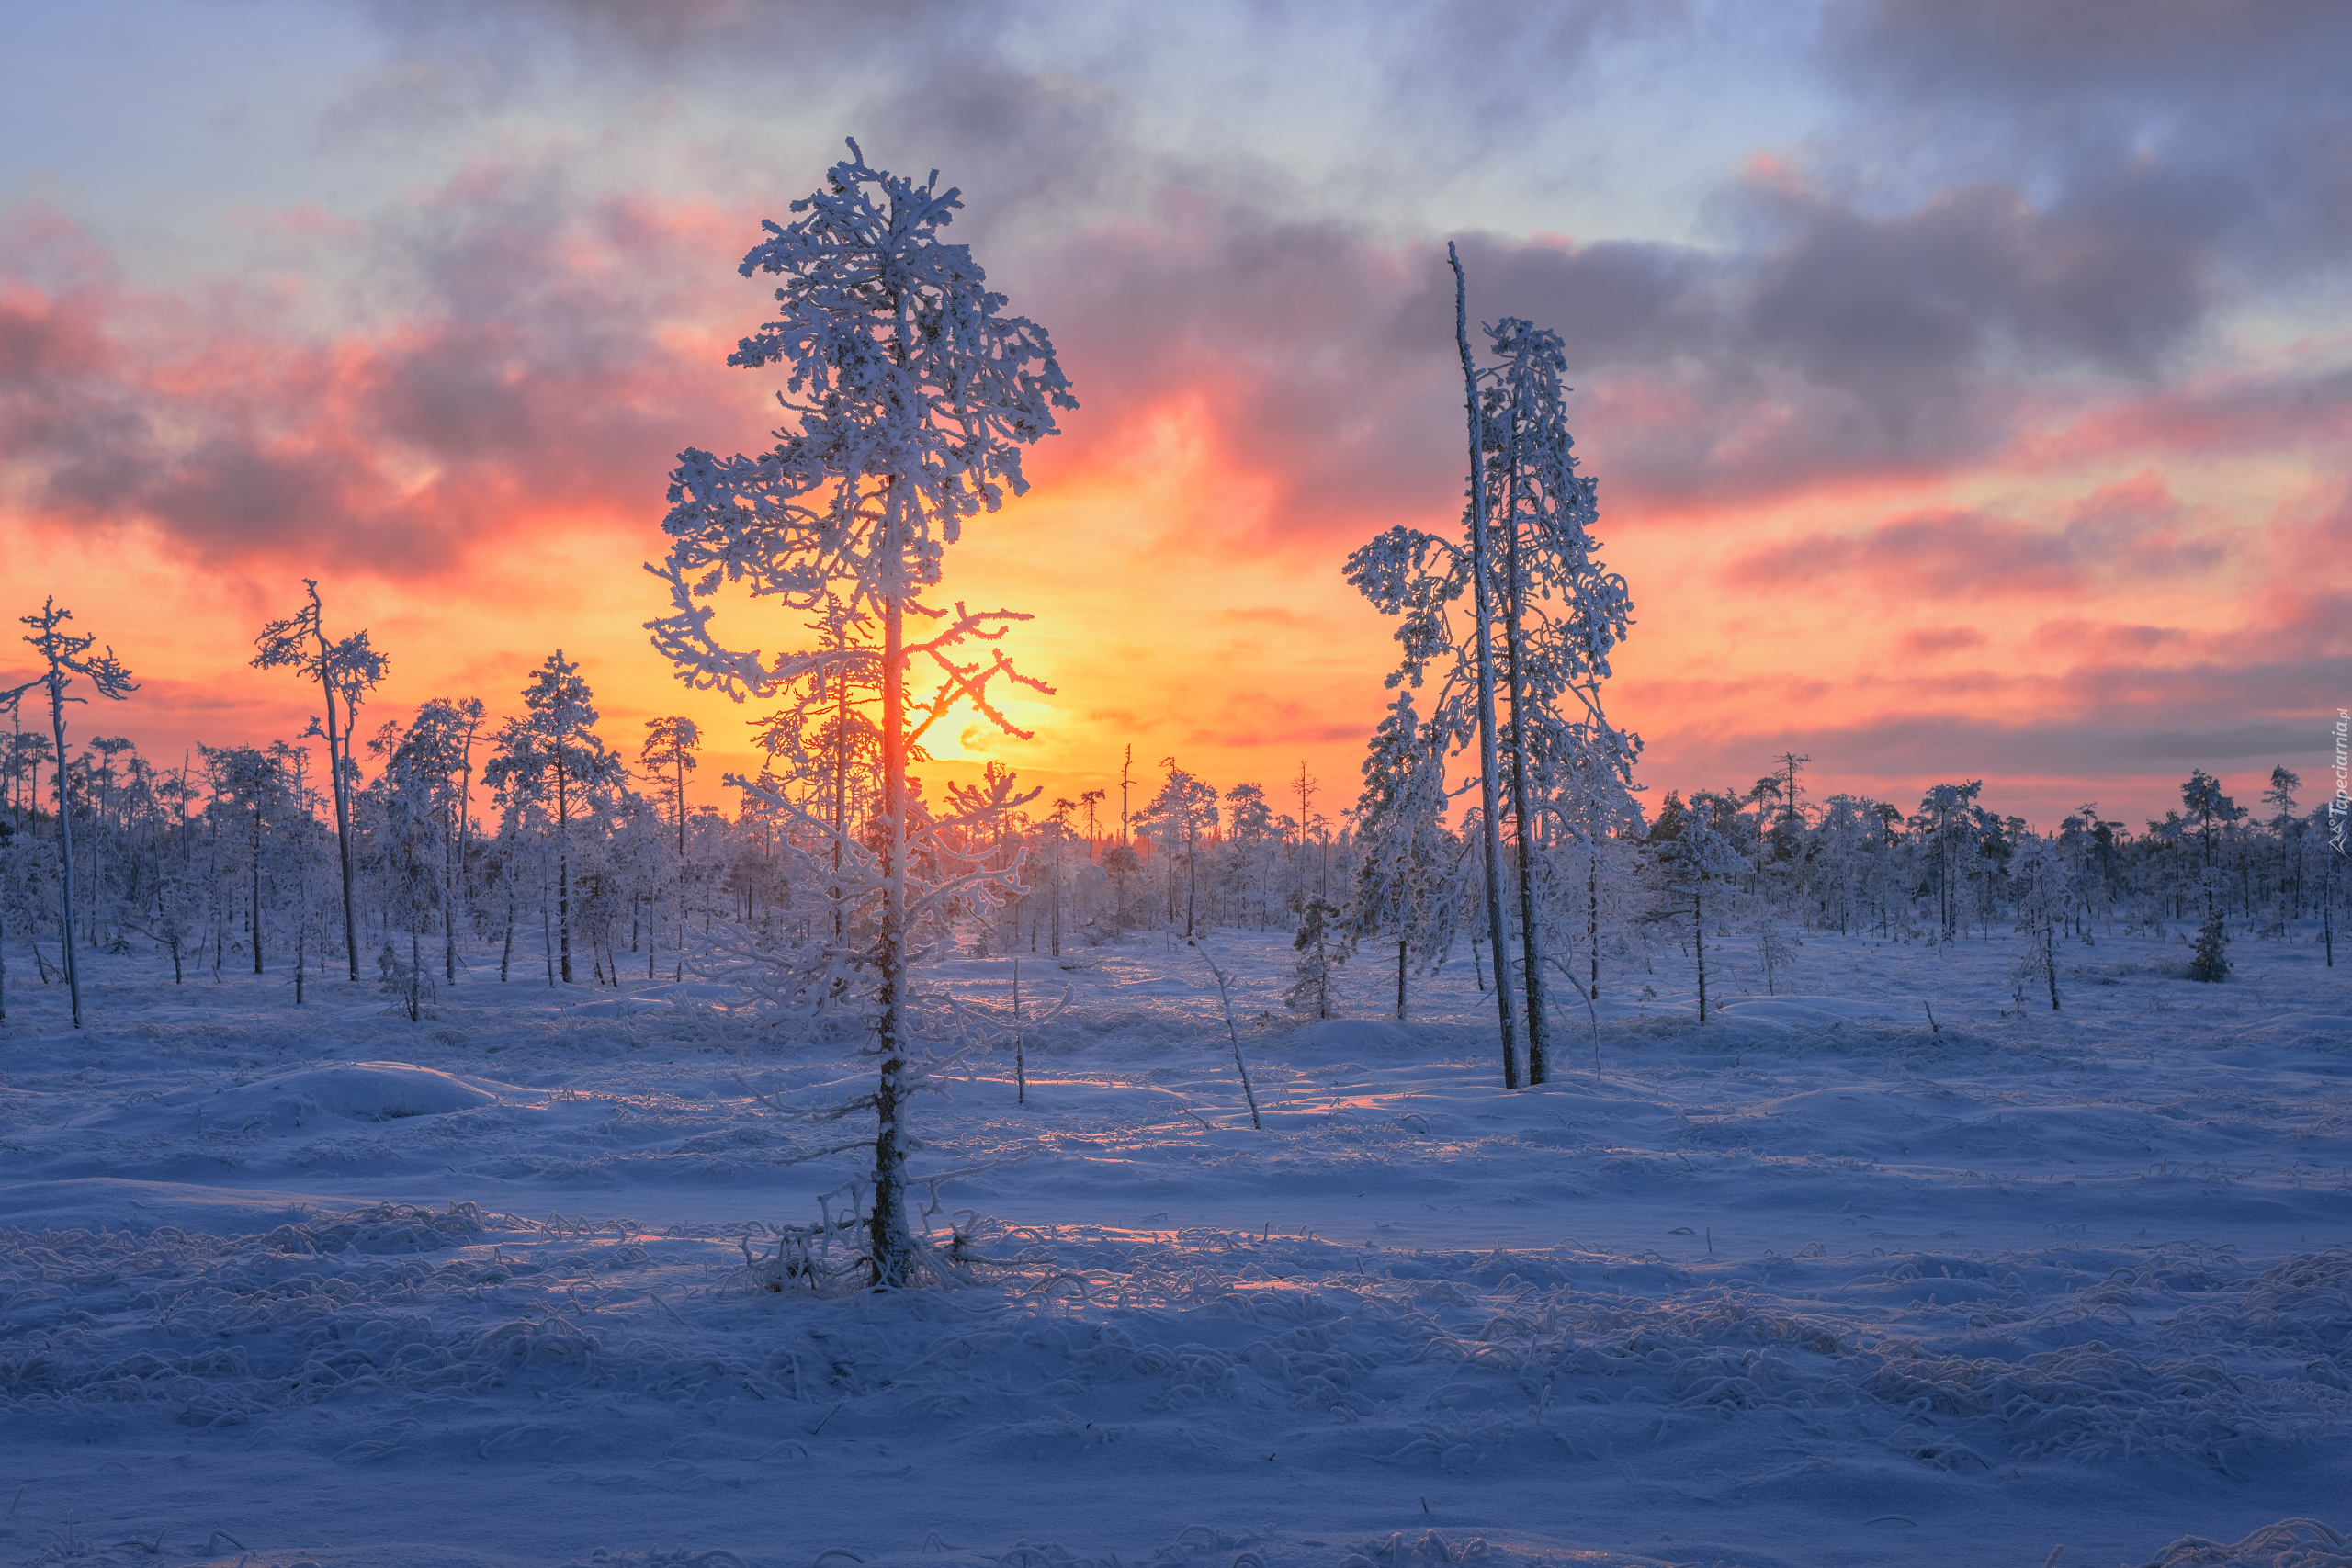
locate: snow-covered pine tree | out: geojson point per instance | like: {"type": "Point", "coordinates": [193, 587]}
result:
{"type": "Point", "coordinates": [547, 768]}
{"type": "Point", "coordinates": [246, 783]}
{"type": "Point", "coordinates": [427, 777]}
{"type": "Point", "coordinates": [412, 858]}
{"type": "Point", "coordinates": [1697, 854]}
{"type": "Point", "coordinates": [557, 739]}
{"type": "Point", "coordinates": [1544, 617]}
{"type": "Point", "coordinates": [2041, 884]}
{"type": "Point", "coordinates": [434, 762]}
{"type": "Point", "coordinates": [1590, 821]}
{"type": "Point", "coordinates": [1319, 956]}
{"type": "Point", "coordinates": [1419, 577]}
{"type": "Point", "coordinates": [67, 655]}
{"type": "Point", "coordinates": [1561, 615]}
{"type": "Point", "coordinates": [670, 746]}
{"type": "Point", "coordinates": [346, 671]}
{"type": "Point", "coordinates": [2286, 831]}
{"type": "Point", "coordinates": [2212, 960]}
{"type": "Point", "coordinates": [911, 394]}
{"type": "Point", "coordinates": [1401, 839]}
{"type": "Point", "coordinates": [1184, 808]}
{"type": "Point", "coordinates": [1946, 818]}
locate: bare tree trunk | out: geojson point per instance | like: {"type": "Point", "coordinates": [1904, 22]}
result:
{"type": "Point", "coordinates": [257, 889]}
{"type": "Point", "coordinates": [1699, 941]}
{"type": "Point", "coordinates": [1592, 915]}
{"type": "Point", "coordinates": [1529, 927]}
{"type": "Point", "coordinates": [342, 811]}
{"type": "Point", "coordinates": [892, 1247]}
{"type": "Point", "coordinates": [65, 842]}
{"type": "Point", "coordinates": [563, 859]}
{"type": "Point", "coordinates": [1489, 794]}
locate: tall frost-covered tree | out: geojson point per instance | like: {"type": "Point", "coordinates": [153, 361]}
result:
{"type": "Point", "coordinates": [1176, 816]}
{"type": "Point", "coordinates": [247, 783]}
{"type": "Point", "coordinates": [1946, 813]}
{"type": "Point", "coordinates": [429, 769]}
{"type": "Point", "coordinates": [1695, 851]}
{"type": "Point", "coordinates": [553, 754]}
{"type": "Point", "coordinates": [346, 670]}
{"type": "Point", "coordinates": [67, 654]}
{"type": "Point", "coordinates": [910, 394]}
{"type": "Point", "coordinates": [670, 746]}
{"type": "Point", "coordinates": [1523, 682]}
{"type": "Point", "coordinates": [1562, 615]}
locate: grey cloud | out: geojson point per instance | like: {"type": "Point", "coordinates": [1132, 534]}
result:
{"type": "Point", "coordinates": [1488, 71]}
{"type": "Point", "coordinates": [2159, 51]}
{"type": "Point", "coordinates": [2275, 739]}
{"type": "Point", "coordinates": [2220, 129]}
{"type": "Point", "coordinates": [2046, 767]}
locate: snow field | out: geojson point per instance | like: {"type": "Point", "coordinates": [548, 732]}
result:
{"type": "Point", "coordinates": [1813, 1284]}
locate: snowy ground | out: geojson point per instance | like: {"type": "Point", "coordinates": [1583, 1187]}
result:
{"type": "Point", "coordinates": [1811, 1284]}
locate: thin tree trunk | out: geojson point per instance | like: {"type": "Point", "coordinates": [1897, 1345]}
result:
{"type": "Point", "coordinates": [98, 854]}
{"type": "Point", "coordinates": [65, 842]}
{"type": "Point", "coordinates": [563, 859]}
{"type": "Point", "coordinates": [1592, 915]}
{"type": "Point", "coordinates": [1531, 934]}
{"type": "Point", "coordinates": [342, 811]}
{"type": "Point", "coordinates": [892, 1247]}
{"type": "Point", "coordinates": [257, 890]}
{"type": "Point", "coordinates": [1699, 941]}
{"type": "Point", "coordinates": [1488, 793]}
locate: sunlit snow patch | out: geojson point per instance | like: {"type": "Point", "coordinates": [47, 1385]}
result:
{"type": "Point", "coordinates": [662, 999]}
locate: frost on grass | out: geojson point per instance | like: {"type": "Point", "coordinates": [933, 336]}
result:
{"type": "Point", "coordinates": [496, 1335]}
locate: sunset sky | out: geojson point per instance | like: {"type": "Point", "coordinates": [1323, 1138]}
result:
{"type": "Point", "coordinates": [1967, 382]}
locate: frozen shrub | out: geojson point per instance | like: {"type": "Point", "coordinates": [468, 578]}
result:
{"type": "Point", "coordinates": [1319, 954]}
{"type": "Point", "coordinates": [2212, 962]}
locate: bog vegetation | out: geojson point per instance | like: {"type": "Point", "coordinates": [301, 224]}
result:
{"type": "Point", "coordinates": [511, 838]}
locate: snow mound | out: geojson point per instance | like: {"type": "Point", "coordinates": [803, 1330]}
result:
{"type": "Point", "coordinates": [366, 1091]}
{"type": "Point", "coordinates": [1351, 1035]}
{"type": "Point", "coordinates": [619, 1006]}
{"type": "Point", "coordinates": [2313, 1029]}
{"type": "Point", "coordinates": [694, 992]}
{"type": "Point", "coordinates": [1801, 1012]}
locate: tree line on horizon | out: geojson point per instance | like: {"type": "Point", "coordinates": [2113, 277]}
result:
{"type": "Point", "coordinates": [466, 835]}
